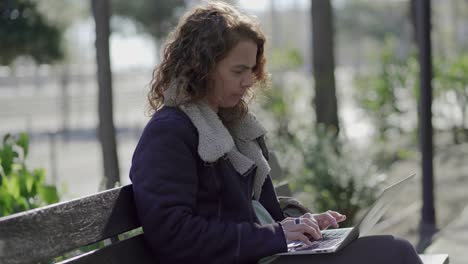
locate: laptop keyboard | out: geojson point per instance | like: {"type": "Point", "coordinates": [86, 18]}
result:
{"type": "Point", "coordinates": [330, 239]}
{"type": "Point", "coordinates": [334, 233]}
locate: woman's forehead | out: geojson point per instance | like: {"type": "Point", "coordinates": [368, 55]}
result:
{"type": "Point", "coordinates": [243, 54]}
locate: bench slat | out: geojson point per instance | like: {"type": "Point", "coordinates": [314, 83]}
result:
{"type": "Point", "coordinates": [130, 251]}
{"type": "Point", "coordinates": [50, 231]}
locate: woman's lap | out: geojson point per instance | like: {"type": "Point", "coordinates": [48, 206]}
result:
{"type": "Point", "coordinates": [371, 249]}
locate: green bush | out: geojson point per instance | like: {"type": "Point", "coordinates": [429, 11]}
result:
{"type": "Point", "coordinates": [21, 189]}
{"type": "Point", "coordinates": [389, 95]}
{"type": "Point", "coordinates": [451, 89]}
{"type": "Point", "coordinates": [324, 172]}
{"type": "Point", "coordinates": [337, 177]}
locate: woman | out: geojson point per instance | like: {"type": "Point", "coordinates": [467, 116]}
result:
{"type": "Point", "coordinates": [200, 168]}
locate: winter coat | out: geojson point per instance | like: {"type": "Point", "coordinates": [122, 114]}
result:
{"type": "Point", "coordinates": [194, 211]}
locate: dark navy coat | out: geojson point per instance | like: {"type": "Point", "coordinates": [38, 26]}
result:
{"type": "Point", "coordinates": [197, 212]}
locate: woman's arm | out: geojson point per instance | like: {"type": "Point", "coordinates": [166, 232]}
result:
{"type": "Point", "coordinates": [269, 200]}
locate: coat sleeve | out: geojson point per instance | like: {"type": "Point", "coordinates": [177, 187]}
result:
{"type": "Point", "coordinates": [164, 177]}
{"type": "Point", "coordinates": [269, 200]}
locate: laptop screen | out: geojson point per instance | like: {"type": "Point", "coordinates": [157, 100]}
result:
{"type": "Point", "coordinates": [381, 205]}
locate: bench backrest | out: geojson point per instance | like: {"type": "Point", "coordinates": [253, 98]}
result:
{"type": "Point", "coordinates": [42, 234]}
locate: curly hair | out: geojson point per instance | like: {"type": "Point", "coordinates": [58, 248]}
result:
{"type": "Point", "coordinates": [203, 37]}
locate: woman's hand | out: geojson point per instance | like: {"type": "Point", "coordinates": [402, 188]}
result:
{"type": "Point", "coordinates": [309, 225]}
{"type": "Point", "coordinates": [299, 228]}
{"type": "Point", "coordinates": [326, 219]}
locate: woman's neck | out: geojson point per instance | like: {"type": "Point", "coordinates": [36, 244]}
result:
{"type": "Point", "coordinates": [212, 104]}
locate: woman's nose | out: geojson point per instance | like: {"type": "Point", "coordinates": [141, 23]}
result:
{"type": "Point", "coordinates": [247, 81]}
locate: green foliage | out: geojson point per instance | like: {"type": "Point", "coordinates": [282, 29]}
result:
{"type": "Point", "coordinates": [286, 59]}
{"type": "Point", "coordinates": [360, 18]}
{"type": "Point", "coordinates": [278, 108]}
{"type": "Point", "coordinates": [390, 97]}
{"type": "Point", "coordinates": [451, 88]}
{"type": "Point", "coordinates": [20, 188]}
{"type": "Point", "coordinates": [279, 116]}
{"type": "Point", "coordinates": [153, 17]}
{"type": "Point", "coordinates": [24, 32]}
{"type": "Point", "coordinates": [317, 164]}
{"type": "Point", "coordinates": [381, 93]}
{"type": "Point", "coordinates": [336, 177]}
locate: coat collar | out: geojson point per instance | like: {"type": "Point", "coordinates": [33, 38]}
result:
{"type": "Point", "coordinates": [238, 142]}
{"type": "Point", "coordinates": [214, 139]}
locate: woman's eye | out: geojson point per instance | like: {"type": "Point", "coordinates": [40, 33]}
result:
{"type": "Point", "coordinates": [237, 72]}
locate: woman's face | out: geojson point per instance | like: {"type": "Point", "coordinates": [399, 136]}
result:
{"type": "Point", "coordinates": [233, 76]}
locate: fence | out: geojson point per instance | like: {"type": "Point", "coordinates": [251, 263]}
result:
{"type": "Point", "coordinates": [60, 115]}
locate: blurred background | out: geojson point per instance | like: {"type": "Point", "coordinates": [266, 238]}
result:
{"type": "Point", "coordinates": [342, 110]}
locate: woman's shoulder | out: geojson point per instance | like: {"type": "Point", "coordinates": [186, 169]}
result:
{"type": "Point", "coordinates": [169, 114]}
{"type": "Point", "coordinates": [171, 120]}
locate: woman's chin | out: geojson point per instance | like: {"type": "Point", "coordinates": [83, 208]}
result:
{"type": "Point", "coordinates": [231, 104]}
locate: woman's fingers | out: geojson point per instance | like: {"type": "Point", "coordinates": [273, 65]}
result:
{"type": "Point", "coordinates": [314, 228]}
{"type": "Point", "coordinates": [311, 217]}
{"type": "Point", "coordinates": [339, 217]}
{"type": "Point", "coordinates": [326, 220]}
{"type": "Point", "coordinates": [309, 222]}
{"type": "Point", "coordinates": [298, 236]}
{"type": "Point", "coordinates": [329, 218]}
{"type": "Point", "coordinates": [304, 226]}
{"type": "Point", "coordinates": [312, 231]}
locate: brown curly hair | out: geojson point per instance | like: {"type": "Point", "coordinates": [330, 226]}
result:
{"type": "Point", "coordinates": [203, 37]}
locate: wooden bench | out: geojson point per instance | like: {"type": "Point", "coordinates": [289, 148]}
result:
{"type": "Point", "coordinates": [42, 235]}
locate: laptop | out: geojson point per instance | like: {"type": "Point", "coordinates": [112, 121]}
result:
{"type": "Point", "coordinates": [335, 239]}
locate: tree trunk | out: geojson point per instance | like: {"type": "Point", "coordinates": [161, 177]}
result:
{"type": "Point", "coordinates": [326, 107]}
{"type": "Point", "coordinates": [412, 18]}
{"type": "Point", "coordinates": [106, 130]}
{"type": "Point", "coordinates": [275, 26]}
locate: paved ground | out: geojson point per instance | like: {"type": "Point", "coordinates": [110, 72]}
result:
{"type": "Point", "coordinates": [453, 240]}
{"type": "Point", "coordinates": [451, 182]}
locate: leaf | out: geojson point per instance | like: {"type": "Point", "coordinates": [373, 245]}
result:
{"type": "Point", "coordinates": [12, 186]}
{"type": "Point", "coordinates": [39, 176]}
{"type": "Point", "coordinates": [6, 138]}
{"type": "Point", "coordinates": [21, 189]}
{"type": "Point", "coordinates": [2, 172]}
{"type": "Point", "coordinates": [6, 156]}
{"type": "Point", "coordinates": [49, 194]}
{"type": "Point", "coordinates": [29, 184]}
{"type": "Point", "coordinates": [23, 142]}
{"type": "Point", "coordinates": [23, 178]}
{"type": "Point", "coordinates": [21, 204]}
{"type": "Point", "coordinates": [6, 202]}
